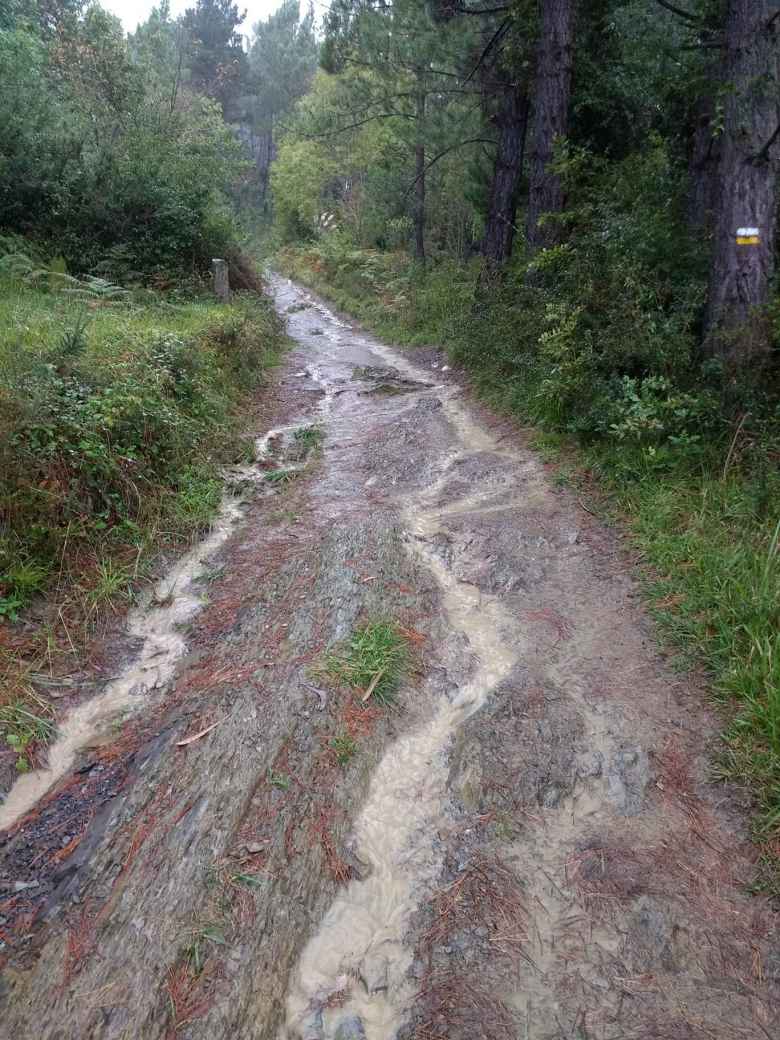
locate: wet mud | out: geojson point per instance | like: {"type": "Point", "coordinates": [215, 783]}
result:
{"type": "Point", "coordinates": [526, 845]}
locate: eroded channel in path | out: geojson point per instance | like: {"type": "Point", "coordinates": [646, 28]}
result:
{"type": "Point", "coordinates": [158, 623]}
{"type": "Point", "coordinates": [359, 954]}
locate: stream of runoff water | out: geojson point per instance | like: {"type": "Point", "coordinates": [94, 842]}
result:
{"type": "Point", "coordinates": [358, 958]}
{"type": "Point", "coordinates": [158, 621]}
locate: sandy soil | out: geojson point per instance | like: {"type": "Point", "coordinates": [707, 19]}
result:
{"type": "Point", "coordinates": [526, 846]}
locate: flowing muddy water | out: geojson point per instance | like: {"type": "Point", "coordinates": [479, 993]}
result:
{"type": "Point", "coordinates": [362, 937]}
{"type": "Point", "coordinates": [158, 622]}
{"type": "Point", "coordinates": [363, 933]}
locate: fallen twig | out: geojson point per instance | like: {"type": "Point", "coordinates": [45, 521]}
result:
{"type": "Point", "coordinates": [197, 736]}
{"type": "Point", "coordinates": [373, 684]}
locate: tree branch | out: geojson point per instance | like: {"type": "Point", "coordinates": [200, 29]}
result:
{"type": "Point", "coordinates": [349, 126]}
{"type": "Point", "coordinates": [446, 151]}
{"type": "Point", "coordinates": [763, 155]}
{"type": "Point", "coordinates": [704, 45]}
{"type": "Point", "coordinates": [679, 12]}
{"type": "Point", "coordinates": [494, 40]}
{"type": "Point", "coordinates": [482, 10]}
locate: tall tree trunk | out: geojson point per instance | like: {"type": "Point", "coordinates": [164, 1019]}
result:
{"type": "Point", "coordinates": [736, 325]}
{"type": "Point", "coordinates": [552, 92]}
{"type": "Point", "coordinates": [419, 184]}
{"type": "Point", "coordinates": [703, 159]}
{"type": "Point", "coordinates": [266, 155]}
{"type": "Point", "coordinates": [512, 122]}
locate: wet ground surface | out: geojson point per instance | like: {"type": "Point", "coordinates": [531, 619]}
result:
{"type": "Point", "coordinates": [526, 846]}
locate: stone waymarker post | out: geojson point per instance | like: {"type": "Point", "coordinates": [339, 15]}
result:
{"type": "Point", "coordinates": [219, 271]}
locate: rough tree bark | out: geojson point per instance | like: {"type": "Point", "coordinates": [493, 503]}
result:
{"type": "Point", "coordinates": [419, 186]}
{"type": "Point", "coordinates": [552, 92]}
{"type": "Point", "coordinates": [703, 159]}
{"type": "Point", "coordinates": [736, 325]}
{"type": "Point", "coordinates": [511, 120]}
{"type": "Point", "coordinates": [265, 156]}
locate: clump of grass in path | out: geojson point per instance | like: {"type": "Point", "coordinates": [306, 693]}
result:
{"type": "Point", "coordinates": [281, 477]}
{"type": "Point", "coordinates": [373, 660]}
{"type": "Point", "coordinates": [308, 438]}
{"type": "Point", "coordinates": [344, 748]}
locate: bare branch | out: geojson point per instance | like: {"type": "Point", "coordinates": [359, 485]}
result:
{"type": "Point", "coordinates": [446, 151]}
{"type": "Point", "coordinates": [679, 12]}
{"type": "Point", "coordinates": [481, 10]}
{"type": "Point", "coordinates": [763, 155]}
{"type": "Point", "coordinates": [494, 40]}
{"type": "Point", "coordinates": [704, 45]}
{"type": "Point", "coordinates": [349, 126]}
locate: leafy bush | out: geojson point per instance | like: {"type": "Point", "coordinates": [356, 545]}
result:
{"type": "Point", "coordinates": [117, 174]}
{"type": "Point", "coordinates": [113, 419]}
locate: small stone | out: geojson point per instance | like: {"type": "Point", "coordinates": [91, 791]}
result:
{"type": "Point", "coordinates": [22, 886]}
{"type": "Point", "coordinates": [350, 1028]}
{"type": "Point", "coordinates": [253, 848]}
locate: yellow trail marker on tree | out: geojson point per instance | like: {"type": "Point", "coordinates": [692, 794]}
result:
{"type": "Point", "coordinates": [748, 236]}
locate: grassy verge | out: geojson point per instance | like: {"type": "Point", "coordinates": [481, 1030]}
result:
{"type": "Point", "coordinates": [116, 414]}
{"type": "Point", "coordinates": [702, 505]}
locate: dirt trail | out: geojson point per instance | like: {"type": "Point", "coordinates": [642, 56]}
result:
{"type": "Point", "coordinates": [529, 848]}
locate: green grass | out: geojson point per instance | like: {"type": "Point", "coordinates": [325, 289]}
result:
{"type": "Point", "coordinates": [117, 414]}
{"type": "Point", "coordinates": [705, 522]}
{"type": "Point", "coordinates": [714, 581]}
{"type": "Point", "coordinates": [21, 727]}
{"type": "Point", "coordinates": [344, 748]}
{"type": "Point", "coordinates": [307, 439]}
{"type": "Point", "coordinates": [282, 476]}
{"type": "Point", "coordinates": [201, 945]}
{"type": "Point", "coordinates": [374, 658]}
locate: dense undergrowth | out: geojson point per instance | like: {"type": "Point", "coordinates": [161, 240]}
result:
{"type": "Point", "coordinates": [599, 355]}
{"type": "Point", "coordinates": [117, 411]}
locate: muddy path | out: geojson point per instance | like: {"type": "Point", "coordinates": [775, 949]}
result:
{"type": "Point", "coordinates": [525, 846]}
